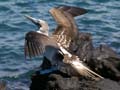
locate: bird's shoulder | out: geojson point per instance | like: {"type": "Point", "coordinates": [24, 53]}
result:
{"type": "Point", "coordinates": [35, 35]}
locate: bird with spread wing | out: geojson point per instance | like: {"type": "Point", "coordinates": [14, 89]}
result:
{"type": "Point", "coordinates": [40, 42]}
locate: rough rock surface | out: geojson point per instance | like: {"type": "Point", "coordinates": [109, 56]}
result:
{"type": "Point", "coordinates": [102, 60]}
{"type": "Point", "coordinates": [58, 80]}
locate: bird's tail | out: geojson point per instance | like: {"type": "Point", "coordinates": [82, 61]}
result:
{"type": "Point", "coordinates": [78, 65]}
{"type": "Point", "coordinates": [84, 70]}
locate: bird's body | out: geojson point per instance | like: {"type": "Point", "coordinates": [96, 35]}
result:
{"type": "Point", "coordinates": [37, 43]}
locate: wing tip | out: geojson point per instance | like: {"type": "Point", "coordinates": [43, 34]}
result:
{"type": "Point", "coordinates": [73, 10]}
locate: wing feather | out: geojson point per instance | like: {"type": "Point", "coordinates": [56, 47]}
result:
{"type": "Point", "coordinates": [33, 49]}
{"type": "Point", "coordinates": [64, 16]}
{"type": "Point", "coordinates": [74, 11]}
{"type": "Point", "coordinates": [84, 70]}
{"type": "Point", "coordinates": [80, 67]}
{"type": "Point", "coordinates": [64, 28]}
{"type": "Point", "coordinates": [35, 44]}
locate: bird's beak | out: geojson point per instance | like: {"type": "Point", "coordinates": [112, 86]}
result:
{"type": "Point", "coordinates": [34, 20]}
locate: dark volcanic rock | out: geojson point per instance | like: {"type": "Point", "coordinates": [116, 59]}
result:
{"type": "Point", "coordinates": [58, 80]}
{"type": "Point", "coordinates": [106, 62]}
{"type": "Point", "coordinates": [102, 60]}
{"type": "Point", "coordinates": [107, 84]}
{"type": "Point", "coordinates": [83, 46]}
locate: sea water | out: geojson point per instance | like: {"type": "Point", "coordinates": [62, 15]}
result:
{"type": "Point", "coordinates": [102, 21]}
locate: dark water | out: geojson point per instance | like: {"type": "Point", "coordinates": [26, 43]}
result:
{"type": "Point", "coordinates": [102, 21]}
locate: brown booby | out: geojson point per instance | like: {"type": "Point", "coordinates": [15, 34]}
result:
{"type": "Point", "coordinates": [64, 34]}
{"type": "Point", "coordinates": [37, 43]}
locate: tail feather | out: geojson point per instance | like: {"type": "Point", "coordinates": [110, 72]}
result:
{"type": "Point", "coordinates": [75, 62]}
{"type": "Point", "coordinates": [84, 70]}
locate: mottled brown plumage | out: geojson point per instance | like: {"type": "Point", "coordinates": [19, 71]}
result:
{"type": "Point", "coordinates": [67, 27]}
{"type": "Point", "coordinates": [36, 43]}
{"type": "Point", "coordinates": [64, 34]}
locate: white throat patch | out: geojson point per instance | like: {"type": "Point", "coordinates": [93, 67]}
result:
{"type": "Point", "coordinates": [45, 33]}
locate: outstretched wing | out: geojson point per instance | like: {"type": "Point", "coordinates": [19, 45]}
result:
{"type": "Point", "coordinates": [67, 28]}
{"type": "Point", "coordinates": [35, 44]}
{"type": "Point", "coordinates": [74, 11]}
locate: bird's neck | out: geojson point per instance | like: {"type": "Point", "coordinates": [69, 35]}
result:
{"type": "Point", "coordinates": [45, 32]}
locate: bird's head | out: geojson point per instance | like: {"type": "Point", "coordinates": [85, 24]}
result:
{"type": "Point", "coordinates": [42, 25]}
